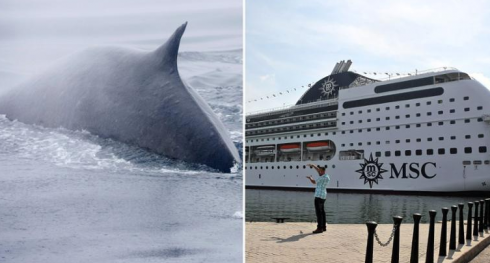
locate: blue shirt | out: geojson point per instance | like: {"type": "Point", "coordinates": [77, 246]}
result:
{"type": "Point", "coordinates": [321, 186]}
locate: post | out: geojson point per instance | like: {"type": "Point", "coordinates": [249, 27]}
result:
{"type": "Point", "coordinates": [461, 223]}
{"type": "Point", "coordinates": [395, 254]}
{"type": "Point", "coordinates": [429, 256]}
{"type": "Point", "coordinates": [443, 244]}
{"type": "Point", "coordinates": [487, 202]}
{"type": "Point", "coordinates": [480, 229]}
{"type": "Point", "coordinates": [452, 238]}
{"type": "Point", "coordinates": [468, 221]}
{"type": "Point", "coordinates": [371, 227]}
{"type": "Point", "coordinates": [475, 219]}
{"type": "Point", "coordinates": [414, 256]}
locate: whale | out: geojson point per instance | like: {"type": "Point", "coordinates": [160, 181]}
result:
{"type": "Point", "coordinates": [132, 96]}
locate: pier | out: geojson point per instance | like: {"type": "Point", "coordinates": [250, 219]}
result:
{"type": "Point", "coordinates": [294, 242]}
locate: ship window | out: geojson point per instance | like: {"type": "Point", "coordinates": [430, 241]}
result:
{"type": "Point", "coordinates": [440, 112]}
{"type": "Point", "coordinates": [378, 142]}
{"type": "Point", "coordinates": [441, 151]}
{"type": "Point", "coordinates": [351, 144]}
{"type": "Point", "coordinates": [377, 109]}
{"type": "Point", "coordinates": [452, 111]}
{"type": "Point", "coordinates": [378, 129]}
{"type": "Point", "coordinates": [428, 103]}
{"type": "Point", "coordinates": [429, 113]}
{"type": "Point", "coordinates": [479, 119]}
{"type": "Point", "coordinates": [267, 138]}
{"type": "Point", "coordinates": [334, 133]}
{"type": "Point", "coordinates": [441, 138]}
{"type": "Point", "coordinates": [419, 140]}
{"type": "Point", "coordinates": [304, 166]}
{"type": "Point", "coordinates": [359, 144]}
{"type": "Point", "coordinates": [267, 167]}
{"type": "Point", "coordinates": [387, 108]}
{"type": "Point", "coordinates": [387, 118]}
{"type": "Point", "coordinates": [360, 121]}
{"type": "Point", "coordinates": [452, 122]}
{"type": "Point", "coordinates": [479, 108]}
{"type": "Point", "coordinates": [466, 98]}
{"type": "Point", "coordinates": [343, 144]}
{"type": "Point", "coordinates": [368, 129]}
{"type": "Point", "coordinates": [397, 141]}
{"type": "Point", "coordinates": [418, 114]}
{"type": "Point", "coordinates": [397, 117]}
{"type": "Point", "coordinates": [451, 100]}
{"type": "Point", "coordinates": [407, 126]}
{"type": "Point", "coordinates": [407, 116]}
{"type": "Point", "coordinates": [439, 101]}
{"type": "Point", "coordinates": [430, 152]}
{"type": "Point", "coordinates": [343, 132]}
{"type": "Point", "coordinates": [368, 120]}
{"type": "Point", "coordinates": [368, 143]}
{"type": "Point", "coordinates": [482, 149]}
{"type": "Point", "coordinates": [369, 110]}
{"type": "Point", "coordinates": [418, 152]}
{"type": "Point", "coordinates": [351, 113]}
{"type": "Point", "coordinates": [441, 123]}
{"type": "Point", "coordinates": [387, 154]}
{"type": "Point", "coordinates": [480, 135]}
{"type": "Point", "coordinates": [467, 121]}
{"type": "Point", "coordinates": [352, 131]}
{"type": "Point", "coordinates": [297, 166]}
{"type": "Point", "coordinates": [467, 150]}
{"type": "Point", "coordinates": [394, 97]}
{"type": "Point", "coordinates": [429, 139]}
{"type": "Point", "coordinates": [404, 85]}
{"type": "Point", "coordinates": [466, 109]}
{"type": "Point", "coordinates": [304, 136]}
{"type": "Point", "coordinates": [311, 135]}
{"type": "Point", "coordinates": [378, 154]}
{"type": "Point", "coordinates": [397, 127]}
{"type": "Point", "coordinates": [360, 130]}
{"type": "Point", "coordinates": [407, 140]}
{"type": "Point", "coordinates": [387, 142]}
{"type": "Point", "coordinates": [319, 134]}
{"type": "Point", "coordinates": [417, 104]}
{"type": "Point", "coordinates": [387, 128]}
{"type": "Point", "coordinates": [453, 151]}
{"type": "Point", "coordinates": [378, 119]}
{"type": "Point", "coordinates": [467, 137]}
{"type": "Point", "coordinates": [360, 112]}
{"type": "Point", "coordinates": [397, 106]}
{"type": "Point", "coordinates": [297, 136]}
{"type": "Point", "coordinates": [429, 124]}
{"type": "Point", "coordinates": [398, 153]}
{"type": "Point", "coordinates": [418, 125]}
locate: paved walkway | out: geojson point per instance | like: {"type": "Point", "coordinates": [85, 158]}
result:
{"type": "Point", "coordinates": [294, 242]}
{"type": "Point", "coordinates": [483, 257]}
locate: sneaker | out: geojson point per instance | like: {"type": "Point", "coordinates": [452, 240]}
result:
{"type": "Point", "coordinates": [318, 231]}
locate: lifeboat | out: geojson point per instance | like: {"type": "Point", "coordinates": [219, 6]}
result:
{"type": "Point", "coordinates": [318, 146]}
{"type": "Point", "coordinates": [265, 150]}
{"type": "Point", "coordinates": [290, 148]}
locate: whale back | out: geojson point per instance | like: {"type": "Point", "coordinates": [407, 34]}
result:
{"type": "Point", "coordinates": [131, 96]}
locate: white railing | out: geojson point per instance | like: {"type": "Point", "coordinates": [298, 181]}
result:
{"type": "Point", "coordinates": [293, 107]}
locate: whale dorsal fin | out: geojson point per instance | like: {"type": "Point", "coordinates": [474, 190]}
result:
{"type": "Point", "coordinates": [167, 53]}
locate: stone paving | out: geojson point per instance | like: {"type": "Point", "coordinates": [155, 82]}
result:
{"type": "Point", "coordinates": [294, 242]}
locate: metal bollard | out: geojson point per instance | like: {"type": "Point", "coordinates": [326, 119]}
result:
{"type": "Point", "coordinates": [414, 256]}
{"type": "Point", "coordinates": [480, 229]}
{"type": "Point", "coordinates": [395, 254]}
{"type": "Point", "coordinates": [487, 202]}
{"type": "Point", "coordinates": [468, 221]}
{"type": "Point", "coordinates": [429, 256]}
{"type": "Point", "coordinates": [371, 226]}
{"type": "Point", "coordinates": [452, 238]}
{"type": "Point", "coordinates": [443, 243]}
{"type": "Point", "coordinates": [461, 223]}
{"type": "Point", "coordinates": [475, 219]}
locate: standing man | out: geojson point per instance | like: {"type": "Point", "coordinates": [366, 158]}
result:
{"type": "Point", "coordinates": [320, 197]}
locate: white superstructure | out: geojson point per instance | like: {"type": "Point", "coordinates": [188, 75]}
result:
{"type": "Point", "coordinates": [427, 132]}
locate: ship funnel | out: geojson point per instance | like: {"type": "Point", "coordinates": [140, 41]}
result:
{"type": "Point", "coordinates": [341, 66]}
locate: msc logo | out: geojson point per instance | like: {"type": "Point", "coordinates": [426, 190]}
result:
{"type": "Point", "coordinates": [371, 171]}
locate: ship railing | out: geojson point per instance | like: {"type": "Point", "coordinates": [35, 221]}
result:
{"type": "Point", "coordinates": [292, 107]}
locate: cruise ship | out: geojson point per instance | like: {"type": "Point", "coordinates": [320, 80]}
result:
{"type": "Point", "coordinates": [427, 132]}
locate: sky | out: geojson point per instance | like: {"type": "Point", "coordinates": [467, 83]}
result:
{"type": "Point", "coordinates": [290, 44]}
{"type": "Point", "coordinates": [35, 33]}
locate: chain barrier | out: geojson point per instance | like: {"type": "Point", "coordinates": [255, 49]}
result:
{"type": "Point", "coordinates": [389, 239]}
